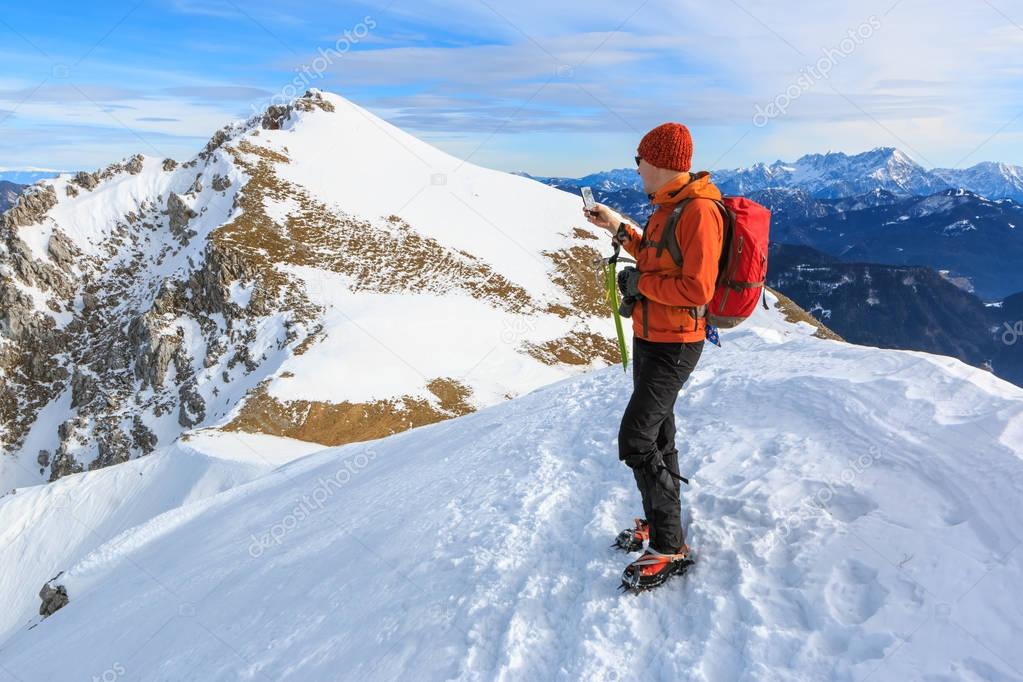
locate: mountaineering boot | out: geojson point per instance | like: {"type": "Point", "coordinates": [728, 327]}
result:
{"type": "Point", "coordinates": [653, 569]}
{"type": "Point", "coordinates": [632, 539]}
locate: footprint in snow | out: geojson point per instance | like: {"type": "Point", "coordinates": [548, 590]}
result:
{"type": "Point", "coordinates": [853, 593]}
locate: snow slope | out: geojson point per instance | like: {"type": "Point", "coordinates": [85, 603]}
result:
{"type": "Point", "coordinates": [856, 513]}
{"type": "Point", "coordinates": [45, 527]}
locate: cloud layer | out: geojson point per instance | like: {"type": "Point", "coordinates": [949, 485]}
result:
{"type": "Point", "coordinates": [562, 88]}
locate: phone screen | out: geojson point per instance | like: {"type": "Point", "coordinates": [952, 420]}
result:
{"type": "Point", "coordinates": [588, 201]}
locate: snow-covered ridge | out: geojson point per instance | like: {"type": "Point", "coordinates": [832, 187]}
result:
{"type": "Point", "coordinates": [313, 272]}
{"type": "Point", "coordinates": [854, 511]}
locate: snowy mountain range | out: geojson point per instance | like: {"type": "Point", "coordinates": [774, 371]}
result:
{"type": "Point", "coordinates": [854, 513]}
{"type": "Point", "coordinates": [274, 284]}
{"type": "Point", "coordinates": [968, 235]}
{"type": "Point", "coordinates": [991, 180]}
{"type": "Point", "coordinates": [835, 175]}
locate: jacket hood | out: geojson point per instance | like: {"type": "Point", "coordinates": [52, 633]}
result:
{"type": "Point", "coordinates": [686, 186]}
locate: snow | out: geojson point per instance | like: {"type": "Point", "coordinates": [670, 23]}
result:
{"type": "Point", "coordinates": [855, 512]}
{"type": "Point", "coordinates": [45, 527]}
{"type": "Point", "coordinates": [241, 293]}
{"type": "Point", "coordinates": [21, 468]}
{"type": "Point", "coordinates": [382, 345]}
{"type": "Point", "coordinates": [278, 210]}
{"type": "Point", "coordinates": [959, 227]}
{"type": "Point", "coordinates": [504, 219]}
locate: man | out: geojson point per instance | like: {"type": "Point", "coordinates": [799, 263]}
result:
{"type": "Point", "coordinates": [668, 336]}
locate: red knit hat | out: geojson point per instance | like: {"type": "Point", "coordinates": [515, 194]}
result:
{"type": "Point", "coordinates": [669, 145]}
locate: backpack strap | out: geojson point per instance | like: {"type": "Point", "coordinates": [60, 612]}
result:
{"type": "Point", "coordinates": [726, 238]}
{"type": "Point", "coordinates": [669, 242]}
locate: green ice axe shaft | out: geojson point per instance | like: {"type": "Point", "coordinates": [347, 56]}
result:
{"type": "Point", "coordinates": [611, 285]}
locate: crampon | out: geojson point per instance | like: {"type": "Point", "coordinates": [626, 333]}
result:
{"type": "Point", "coordinates": [653, 569]}
{"type": "Point", "coordinates": [632, 539]}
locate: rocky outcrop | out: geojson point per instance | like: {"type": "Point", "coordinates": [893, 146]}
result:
{"type": "Point", "coordinates": [31, 207]}
{"type": "Point", "coordinates": [62, 250]}
{"type": "Point", "coordinates": [216, 142]}
{"type": "Point", "coordinates": [179, 213]}
{"type": "Point", "coordinates": [134, 164]}
{"type": "Point", "coordinates": [277, 115]}
{"type": "Point", "coordinates": [54, 598]}
{"type": "Point", "coordinates": [87, 181]}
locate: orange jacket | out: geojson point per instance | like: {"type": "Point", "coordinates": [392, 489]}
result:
{"type": "Point", "coordinates": [673, 295]}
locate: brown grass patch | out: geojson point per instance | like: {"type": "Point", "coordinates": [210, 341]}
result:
{"type": "Point", "coordinates": [576, 348]}
{"type": "Point", "coordinates": [793, 313]}
{"type": "Point", "coordinates": [577, 274]}
{"type": "Point", "coordinates": [348, 422]}
{"type": "Point", "coordinates": [580, 233]}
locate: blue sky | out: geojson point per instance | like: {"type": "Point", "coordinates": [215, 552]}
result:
{"type": "Point", "coordinates": [556, 88]}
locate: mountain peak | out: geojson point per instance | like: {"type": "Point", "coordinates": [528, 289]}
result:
{"type": "Point", "coordinates": [230, 279]}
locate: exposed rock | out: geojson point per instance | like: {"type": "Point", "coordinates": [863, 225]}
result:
{"type": "Point", "coordinates": [142, 437]}
{"type": "Point", "coordinates": [169, 164]}
{"type": "Point", "coordinates": [216, 142]}
{"type": "Point", "coordinates": [70, 190]}
{"type": "Point", "coordinates": [114, 445]}
{"type": "Point", "coordinates": [275, 116]}
{"type": "Point", "coordinates": [61, 249]}
{"type": "Point", "coordinates": [193, 408]}
{"type": "Point", "coordinates": [43, 459]}
{"type": "Point", "coordinates": [134, 164]}
{"type": "Point", "coordinates": [89, 302]}
{"type": "Point", "coordinates": [54, 598]}
{"type": "Point", "coordinates": [32, 205]}
{"type": "Point", "coordinates": [313, 99]}
{"type": "Point", "coordinates": [220, 183]}
{"type": "Point", "coordinates": [87, 181]}
{"type": "Point", "coordinates": [180, 213]}
{"type": "Point", "coordinates": [153, 350]}
{"type": "Point", "coordinates": [64, 464]}
{"type": "Point", "coordinates": [84, 388]}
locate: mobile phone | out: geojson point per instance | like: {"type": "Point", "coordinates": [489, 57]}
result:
{"type": "Point", "coordinates": [588, 201]}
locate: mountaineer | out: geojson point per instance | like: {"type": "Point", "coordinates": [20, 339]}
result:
{"type": "Point", "coordinates": [669, 289]}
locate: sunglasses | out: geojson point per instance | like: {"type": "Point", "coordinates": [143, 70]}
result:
{"type": "Point", "coordinates": [638, 159]}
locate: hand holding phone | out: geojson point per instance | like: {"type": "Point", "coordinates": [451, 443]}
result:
{"type": "Point", "coordinates": [588, 203]}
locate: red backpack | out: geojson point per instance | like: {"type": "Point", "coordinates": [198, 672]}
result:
{"type": "Point", "coordinates": [742, 270]}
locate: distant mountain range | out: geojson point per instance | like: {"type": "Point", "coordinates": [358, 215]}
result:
{"type": "Point", "coordinates": [970, 236]}
{"type": "Point", "coordinates": [837, 175]}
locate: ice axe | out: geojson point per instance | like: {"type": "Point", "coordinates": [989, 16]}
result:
{"type": "Point", "coordinates": [609, 267]}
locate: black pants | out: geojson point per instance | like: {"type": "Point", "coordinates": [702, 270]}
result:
{"type": "Point", "coordinates": [646, 438]}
